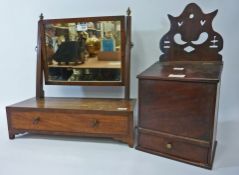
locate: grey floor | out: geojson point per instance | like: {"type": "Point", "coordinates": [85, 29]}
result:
{"type": "Point", "coordinates": [43, 155]}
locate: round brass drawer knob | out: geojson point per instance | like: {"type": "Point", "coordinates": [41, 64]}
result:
{"type": "Point", "coordinates": [95, 123]}
{"type": "Point", "coordinates": [35, 120]}
{"type": "Point", "coordinates": [169, 146]}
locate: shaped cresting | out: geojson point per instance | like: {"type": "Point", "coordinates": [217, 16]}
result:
{"type": "Point", "coordinates": [191, 37]}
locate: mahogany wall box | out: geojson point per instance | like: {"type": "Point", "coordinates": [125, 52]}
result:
{"type": "Point", "coordinates": [68, 54]}
{"type": "Point", "coordinates": [178, 95]}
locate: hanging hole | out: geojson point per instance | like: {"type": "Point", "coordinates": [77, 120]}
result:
{"type": "Point", "coordinates": [191, 16]}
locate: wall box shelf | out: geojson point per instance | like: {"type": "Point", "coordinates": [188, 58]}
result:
{"type": "Point", "coordinates": [67, 54]}
{"type": "Point", "coordinates": [178, 118]}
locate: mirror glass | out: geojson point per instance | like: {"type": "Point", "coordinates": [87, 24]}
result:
{"type": "Point", "coordinates": [83, 51]}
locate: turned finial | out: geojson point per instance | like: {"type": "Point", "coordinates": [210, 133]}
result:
{"type": "Point", "coordinates": [41, 16]}
{"type": "Point", "coordinates": [128, 11]}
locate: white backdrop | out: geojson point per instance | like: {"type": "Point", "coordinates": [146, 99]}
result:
{"type": "Point", "coordinates": [149, 23]}
{"type": "Point", "coordinates": [18, 29]}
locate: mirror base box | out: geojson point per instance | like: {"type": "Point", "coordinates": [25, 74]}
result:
{"type": "Point", "coordinates": [109, 118]}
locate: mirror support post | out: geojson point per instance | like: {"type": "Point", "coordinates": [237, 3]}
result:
{"type": "Point", "coordinates": [128, 53]}
{"type": "Point", "coordinates": [39, 74]}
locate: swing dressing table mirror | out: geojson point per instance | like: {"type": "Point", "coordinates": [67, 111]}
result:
{"type": "Point", "coordinates": [91, 51]}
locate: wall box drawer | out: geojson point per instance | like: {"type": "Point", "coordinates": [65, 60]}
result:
{"type": "Point", "coordinates": [179, 149]}
{"type": "Point", "coordinates": [69, 122]}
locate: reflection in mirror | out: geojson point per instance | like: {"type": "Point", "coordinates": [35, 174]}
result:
{"type": "Point", "coordinates": [83, 51]}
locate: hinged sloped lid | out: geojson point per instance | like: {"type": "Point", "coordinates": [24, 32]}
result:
{"type": "Point", "coordinates": [184, 71]}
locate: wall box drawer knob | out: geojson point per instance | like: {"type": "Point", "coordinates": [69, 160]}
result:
{"type": "Point", "coordinates": [35, 120]}
{"type": "Point", "coordinates": [94, 123]}
{"type": "Point", "coordinates": [169, 146]}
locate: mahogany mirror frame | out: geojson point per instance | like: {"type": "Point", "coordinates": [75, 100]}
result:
{"type": "Point", "coordinates": [42, 72]}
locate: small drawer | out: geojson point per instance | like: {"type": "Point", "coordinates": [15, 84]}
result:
{"type": "Point", "coordinates": [69, 122]}
{"type": "Point", "coordinates": [173, 147]}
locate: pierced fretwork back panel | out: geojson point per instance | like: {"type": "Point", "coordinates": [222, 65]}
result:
{"type": "Point", "coordinates": [191, 37]}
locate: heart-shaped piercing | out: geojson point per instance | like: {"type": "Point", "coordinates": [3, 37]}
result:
{"type": "Point", "coordinates": [180, 24]}
{"type": "Point", "coordinates": [202, 22]}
